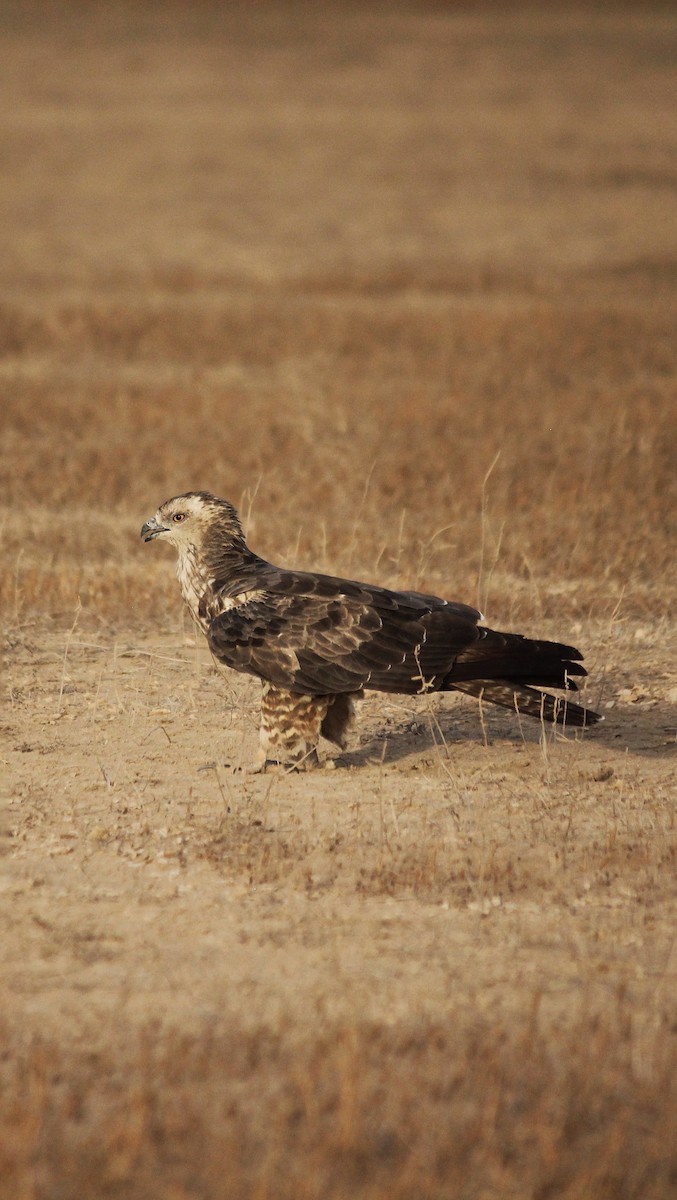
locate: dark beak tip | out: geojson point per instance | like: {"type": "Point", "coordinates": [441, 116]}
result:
{"type": "Point", "coordinates": [149, 531]}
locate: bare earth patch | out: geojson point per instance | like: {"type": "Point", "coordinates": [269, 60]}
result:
{"type": "Point", "coordinates": [475, 925]}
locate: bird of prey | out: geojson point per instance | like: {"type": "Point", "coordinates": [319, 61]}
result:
{"type": "Point", "coordinates": [317, 642]}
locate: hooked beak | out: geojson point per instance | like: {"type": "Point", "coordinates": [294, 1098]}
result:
{"type": "Point", "coordinates": [152, 529]}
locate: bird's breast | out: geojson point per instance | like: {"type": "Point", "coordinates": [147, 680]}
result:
{"type": "Point", "coordinates": [196, 588]}
{"type": "Point", "coordinates": [204, 599]}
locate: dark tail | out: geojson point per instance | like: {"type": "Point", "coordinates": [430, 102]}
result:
{"type": "Point", "coordinates": [507, 669]}
{"type": "Point", "coordinates": [523, 699]}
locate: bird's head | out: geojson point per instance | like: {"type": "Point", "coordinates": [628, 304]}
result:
{"type": "Point", "coordinates": [197, 520]}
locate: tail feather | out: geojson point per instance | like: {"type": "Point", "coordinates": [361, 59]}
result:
{"type": "Point", "coordinates": [507, 669]}
{"type": "Point", "coordinates": [522, 699]}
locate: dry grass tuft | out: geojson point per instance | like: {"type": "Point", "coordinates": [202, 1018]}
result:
{"type": "Point", "coordinates": [365, 1111]}
{"type": "Point", "coordinates": [372, 459]}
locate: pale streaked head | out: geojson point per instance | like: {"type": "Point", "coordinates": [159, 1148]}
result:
{"type": "Point", "coordinates": [194, 519]}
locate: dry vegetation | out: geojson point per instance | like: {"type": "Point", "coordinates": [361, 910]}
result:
{"type": "Point", "coordinates": [402, 286]}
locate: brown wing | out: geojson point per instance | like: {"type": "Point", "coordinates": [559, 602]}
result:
{"type": "Point", "coordinates": [321, 636]}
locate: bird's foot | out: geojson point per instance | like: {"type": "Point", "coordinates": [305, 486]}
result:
{"type": "Point", "coordinates": [263, 764]}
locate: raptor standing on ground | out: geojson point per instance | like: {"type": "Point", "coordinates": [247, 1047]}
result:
{"type": "Point", "coordinates": [317, 642]}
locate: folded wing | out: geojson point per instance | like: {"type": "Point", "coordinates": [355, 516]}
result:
{"type": "Point", "coordinates": [320, 636]}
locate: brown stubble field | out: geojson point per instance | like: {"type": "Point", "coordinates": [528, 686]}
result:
{"type": "Point", "coordinates": [401, 284]}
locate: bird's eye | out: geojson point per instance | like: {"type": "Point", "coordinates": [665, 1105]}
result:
{"type": "Point", "coordinates": [179, 517]}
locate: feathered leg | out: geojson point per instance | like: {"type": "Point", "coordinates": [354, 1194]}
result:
{"type": "Point", "coordinates": [339, 723]}
{"type": "Point", "coordinates": [291, 726]}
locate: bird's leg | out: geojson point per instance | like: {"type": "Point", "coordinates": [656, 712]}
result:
{"type": "Point", "coordinates": [339, 721]}
{"type": "Point", "coordinates": [290, 729]}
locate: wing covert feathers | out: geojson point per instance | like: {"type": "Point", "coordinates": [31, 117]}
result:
{"type": "Point", "coordinates": [321, 644]}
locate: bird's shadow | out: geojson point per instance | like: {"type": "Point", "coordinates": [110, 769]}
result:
{"type": "Point", "coordinates": [646, 731]}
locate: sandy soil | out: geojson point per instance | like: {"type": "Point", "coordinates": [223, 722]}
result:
{"type": "Point", "coordinates": [443, 873]}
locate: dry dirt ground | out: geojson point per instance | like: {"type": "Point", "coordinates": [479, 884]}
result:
{"type": "Point", "coordinates": [401, 283]}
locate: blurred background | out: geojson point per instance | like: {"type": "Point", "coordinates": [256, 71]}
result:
{"type": "Point", "coordinates": [399, 280]}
